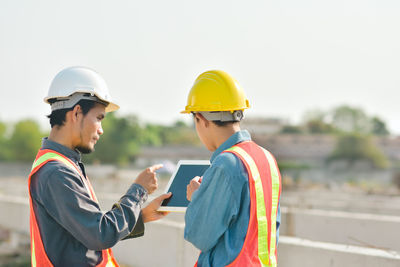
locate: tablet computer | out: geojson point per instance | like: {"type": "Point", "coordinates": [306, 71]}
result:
{"type": "Point", "coordinates": [185, 171]}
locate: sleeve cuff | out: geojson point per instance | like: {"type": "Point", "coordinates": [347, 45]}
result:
{"type": "Point", "coordinates": [138, 192]}
{"type": "Point", "coordinates": [138, 230]}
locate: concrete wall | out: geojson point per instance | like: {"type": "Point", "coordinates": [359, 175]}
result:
{"type": "Point", "coordinates": [341, 201]}
{"type": "Point", "coordinates": [292, 251]}
{"type": "Point", "coordinates": [14, 213]}
{"type": "Point", "coordinates": [348, 228]}
{"type": "Point", "coordinates": [163, 243]}
{"type": "Point", "coordinates": [301, 252]}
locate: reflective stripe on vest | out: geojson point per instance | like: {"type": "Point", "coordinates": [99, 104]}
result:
{"type": "Point", "coordinates": [249, 153]}
{"type": "Point", "coordinates": [38, 254]}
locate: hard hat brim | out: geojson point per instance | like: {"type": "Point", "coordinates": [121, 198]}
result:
{"type": "Point", "coordinates": [109, 108]}
{"type": "Point", "coordinates": [112, 107]}
{"type": "Point", "coordinates": [190, 109]}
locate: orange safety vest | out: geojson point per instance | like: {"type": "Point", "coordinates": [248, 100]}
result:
{"type": "Point", "coordinates": [259, 247]}
{"type": "Point", "coordinates": [38, 254]}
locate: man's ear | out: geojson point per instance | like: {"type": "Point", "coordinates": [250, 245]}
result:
{"type": "Point", "coordinates": [76, 112]}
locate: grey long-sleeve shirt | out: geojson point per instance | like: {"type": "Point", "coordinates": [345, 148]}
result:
{"type": "Point", "coordinates": [73, 228]}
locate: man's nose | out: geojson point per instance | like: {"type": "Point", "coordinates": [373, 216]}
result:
{"type": "Point", "coordinates": [100, 130]}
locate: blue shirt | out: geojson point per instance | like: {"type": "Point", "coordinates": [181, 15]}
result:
{"type": "Point", "coordinates": [217, 218]}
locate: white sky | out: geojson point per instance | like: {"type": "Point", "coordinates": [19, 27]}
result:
{"type": "Point", "coordinates": [290, 56]}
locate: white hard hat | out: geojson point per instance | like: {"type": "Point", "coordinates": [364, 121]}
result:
{"type": "Point", "coordinates": [75, 83]}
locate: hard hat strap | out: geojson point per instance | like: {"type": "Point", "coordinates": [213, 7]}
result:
{"type": "Point", "coordinates": [223, 116]}
{"type": "Point", "coordinates": [70, 101]}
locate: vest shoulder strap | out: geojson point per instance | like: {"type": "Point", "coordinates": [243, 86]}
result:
{"type": "Point", "coordinates": [46, 155]}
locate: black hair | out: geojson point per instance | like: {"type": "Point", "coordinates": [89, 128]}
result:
{"type": "Point", "coordinates": [57, 117]}
{"type": "Point", "coordinates": [223, 123]}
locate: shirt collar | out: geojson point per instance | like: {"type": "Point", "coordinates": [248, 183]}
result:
{"type": "Point", "coordinates": [69, 153]}
{"type": "Point", "coordinates": [235, 138]}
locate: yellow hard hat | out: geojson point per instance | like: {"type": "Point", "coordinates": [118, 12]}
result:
{"type": "Point", "coordinates": [216, 90]}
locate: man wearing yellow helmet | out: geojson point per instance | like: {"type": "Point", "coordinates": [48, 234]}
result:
{"type": "Point", "coordinates": [234, 213]}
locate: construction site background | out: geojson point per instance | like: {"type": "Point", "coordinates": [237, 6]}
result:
{"type": "Point", "coordinates": [345, 209]}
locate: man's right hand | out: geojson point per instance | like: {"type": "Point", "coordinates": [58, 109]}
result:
{"type": "Point", "coordinates": [193, 186]}
{"type": "Point", "coordinates": [148, 179]}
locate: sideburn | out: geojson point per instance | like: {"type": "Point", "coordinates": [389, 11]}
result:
{"type": "Point", "coordinates": [82, 149]}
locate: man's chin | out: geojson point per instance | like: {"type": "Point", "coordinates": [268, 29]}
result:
{"type": "Point", "coordinates": [85, 150]}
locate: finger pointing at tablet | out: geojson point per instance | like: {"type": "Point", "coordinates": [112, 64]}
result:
{"type": "Point", "coordinates": [155, 167]}
{"type": "Point", "coordinates": [148, 179]}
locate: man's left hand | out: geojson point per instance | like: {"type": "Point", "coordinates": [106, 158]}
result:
{"type": "Point", "coordinates": [150, 212]}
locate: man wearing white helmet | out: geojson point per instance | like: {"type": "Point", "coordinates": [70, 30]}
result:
{"type": "Point", "coordinates": [67, 225]}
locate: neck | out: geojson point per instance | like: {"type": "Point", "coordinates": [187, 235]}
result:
{"type": "Point", "coordinates": [62, 136]}
{"type": "Point", "coordinates": [221, 134]}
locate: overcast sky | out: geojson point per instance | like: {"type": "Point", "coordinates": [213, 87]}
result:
{"type": "Point", "coordinates": [290, 56]}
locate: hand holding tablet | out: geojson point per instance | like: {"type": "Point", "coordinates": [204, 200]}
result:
{"type": "Point", "coordinates": [185, 172]}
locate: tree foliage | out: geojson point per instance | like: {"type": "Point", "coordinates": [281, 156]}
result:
{"type": "Point", "coordinates": [351, 120]}
{"type": "Point", "coordinates": [25, 141]}
{"type": "Point", "coordinates": [120, 141]}
{"type": "Point", "coordinates": [317, 126]}
{"type": "Point", "coordinates": [340, 120]}
{"type": "Point", "coordinates": [291, 129]}
{"type": "Point", "coordinates": [353, 129]}
{"type": "Point", "coordinates": [4, 149]}
{"type": "Point", "coordinates": [379, 126]}
{"type": "Point", "coordinates": [123, 137]}
{"type": "Point", "coordinates": [179, 133]}
{"type": "Point", "coordinates": [354, 147]}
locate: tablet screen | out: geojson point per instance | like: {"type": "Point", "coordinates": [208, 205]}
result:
{"type": "Point", "coordinates": [185, 172]}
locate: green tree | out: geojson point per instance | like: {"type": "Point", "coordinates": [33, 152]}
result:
{"type": "Point", "coordinates": [351, 120]}
{"type": "Point", "coordinates": [120, 141]}
{"type": "Point", "coordinates": [291, 129]}
{"type": "Point", "coordinates": [343, 119]}
{"type": "Point", "coordinates": [4, 148]}
{"type": "Point", "coordinates": [354, 147]}
{"type": "Point", "coordinates": [179, 134]}
{"type": "Point", "coordinates": [315, 122]}
{"type": "Point", "coordinates": [315, 114]}
{"type": "Point", "coordinates": [3, 129]}
{"type": "Point", "coordinates": [25, 140]}
{"type": "Point", "coordinates": [123, 137]}
{"type": "Point", "coordinates": [317, 126]}
{"type": "Point", "coordinates": [379, 127]}
{"type": "Point", "coordinates": [152, 135]}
